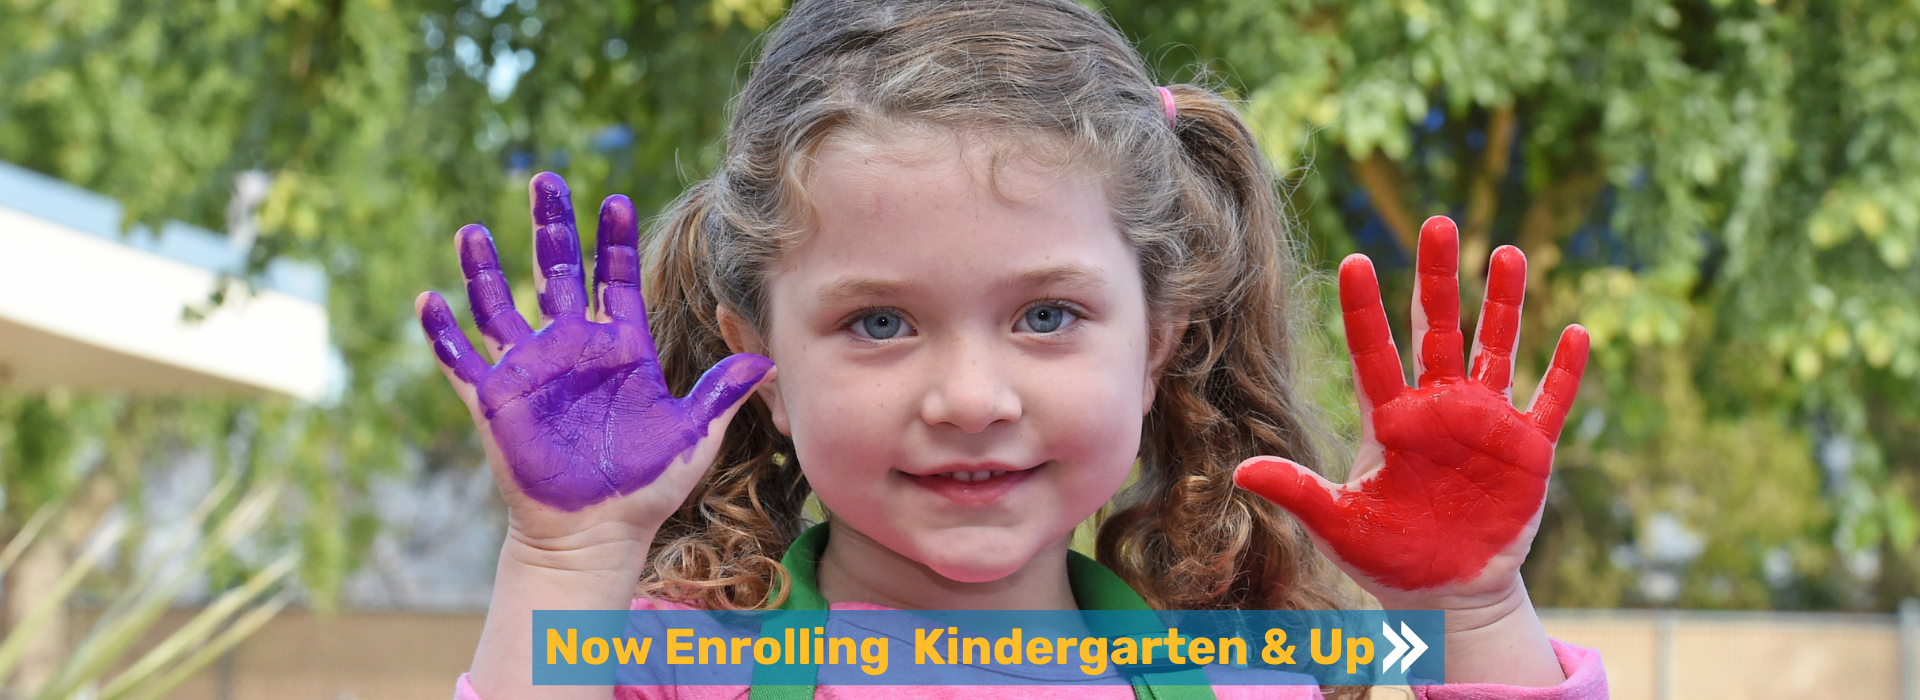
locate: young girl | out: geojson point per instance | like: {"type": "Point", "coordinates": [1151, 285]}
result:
{"type": "Point", "coordinates": [1001, 274]}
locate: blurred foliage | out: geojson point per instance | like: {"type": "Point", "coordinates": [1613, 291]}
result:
{"type": "Point", "coordinates": [102, 664]}
{"type": "Point", "coordinates": [1726, 192]}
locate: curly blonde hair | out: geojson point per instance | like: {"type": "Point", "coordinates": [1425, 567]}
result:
{"type": "Point", "coordinates": [1196, 200]}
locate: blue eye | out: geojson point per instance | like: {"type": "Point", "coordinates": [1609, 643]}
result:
{"type": "Point", "coordinates": [879, 325]}
{"type": "Point", "coordinates": [1044, 319]}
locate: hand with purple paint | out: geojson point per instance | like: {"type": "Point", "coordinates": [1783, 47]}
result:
{"type": "Point", "coordinates": [577, 420]}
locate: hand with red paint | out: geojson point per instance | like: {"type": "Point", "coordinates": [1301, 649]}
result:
{"type": "Point", "coordinates": [1446, 492]}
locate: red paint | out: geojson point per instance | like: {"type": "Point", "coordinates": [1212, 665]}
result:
{"type": "Point", "coordinates": [1436, 288]}
{"type": "Point", "coordinates": [1500, 319]}
{"type": "Point", "coordinates": [1464, 473]}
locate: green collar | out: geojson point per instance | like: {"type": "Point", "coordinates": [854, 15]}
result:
{"type": "Point", "coordinates": [1095, 587]}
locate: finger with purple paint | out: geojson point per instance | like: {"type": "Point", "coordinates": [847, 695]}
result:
{"type": "Point", "coordinates": [556, 248]}
{"type": "Point", "coordinates": [450, 344]}
{"type": "Point", "coordinates": [487, 291]}
{"type": "Point", "coordinates": [616, 262]}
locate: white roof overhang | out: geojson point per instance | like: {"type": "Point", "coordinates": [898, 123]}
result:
{"type": "Point", "coordinates": [83, 306]}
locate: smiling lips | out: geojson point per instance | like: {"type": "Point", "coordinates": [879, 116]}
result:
{"type": "Point", "coordinates": [972, 486]}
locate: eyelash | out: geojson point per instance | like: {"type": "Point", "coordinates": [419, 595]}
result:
{"type": "Point", "coordinates": [847, 324]}
{"type": "Point", "coordinates": [1079, 314]}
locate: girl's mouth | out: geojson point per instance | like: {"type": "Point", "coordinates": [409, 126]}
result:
{"type": "Point", "coordinates": [973, 487]}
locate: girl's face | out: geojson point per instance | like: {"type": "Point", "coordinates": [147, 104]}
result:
{"type": "Point", "coordinates": [964, 359]}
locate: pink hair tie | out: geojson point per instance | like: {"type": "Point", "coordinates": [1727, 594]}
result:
{"type": "Point", "coordinates": [1166, 102]}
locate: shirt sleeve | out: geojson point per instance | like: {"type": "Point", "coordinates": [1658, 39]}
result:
{"type": "Point", "coordinates": [462, 690]}
{"type": "Point", "coordinates": [1586, 680]}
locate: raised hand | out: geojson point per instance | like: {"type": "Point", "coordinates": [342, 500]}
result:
{"type": "Point", "coordinates": [1446, 492]}
{"type": "Point", "coordinates": [578, 413]}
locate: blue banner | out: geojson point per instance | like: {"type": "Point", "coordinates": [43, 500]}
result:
{"type": "Point", "coordinates": [988, 647]}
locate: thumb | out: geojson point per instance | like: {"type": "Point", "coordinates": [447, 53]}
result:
{"type": "Point", "coordinates": [1301, 491]}
{"type": "Point", "coordinates": [725, 386]}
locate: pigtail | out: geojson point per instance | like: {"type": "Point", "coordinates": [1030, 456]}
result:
{"type": "Point", "coordinates": [1182, 534]}
{"type": "Point", "coordinates": [722, 548]}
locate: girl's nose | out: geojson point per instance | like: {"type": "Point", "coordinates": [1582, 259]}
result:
{"type": "Point", "coordinates": [970, 392]}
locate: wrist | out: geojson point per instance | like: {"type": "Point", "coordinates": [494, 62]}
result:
{"type": "Point", "coordinates": [1465, 612]}
{"type": "Point", "coordinates": [1499, 639]}
{"type": "Point", "coordinates": [1493, 634]}
{"type": "Point", "coordinates": [606, 549]}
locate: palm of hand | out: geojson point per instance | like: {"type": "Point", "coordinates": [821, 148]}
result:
{"type": "Point", "coordinates": [1450, 479]}
{"type": "Point", "coordinates": [579, 411]}
{"type": "Point", "coordinates": [1463, 476]}
{"type": "Point", "coordinates": [581, 415]}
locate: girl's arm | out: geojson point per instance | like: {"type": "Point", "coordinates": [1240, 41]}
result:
{"type": "Point", "coordinates": [590, 450]}
{"type": "Point", "coordinates": [596, 571]}
{"type": "Point", "coordinates": [1446, 493]}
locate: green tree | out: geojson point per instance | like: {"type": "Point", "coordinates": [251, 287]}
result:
{"type": "Point", "coordinates": [1726, 192]}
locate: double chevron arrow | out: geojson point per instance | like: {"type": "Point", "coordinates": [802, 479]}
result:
{"type": "Point", "coordinates": [1400, 647]}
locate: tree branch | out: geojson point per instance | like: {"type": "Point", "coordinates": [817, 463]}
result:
{"type": "Point", "coordinates": [1483, 197]}
{"type": "Point", "coordinates": [1554, 212]}
{"type": "Point", "coordinates": [1381, 178]}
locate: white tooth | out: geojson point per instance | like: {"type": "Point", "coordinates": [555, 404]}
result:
{"type": "Point", "coordinates": [982, 475]}
{"type": "Point", "coordinates": [962, 476]}
{"type": "Point", "coordinates": [998, 473]}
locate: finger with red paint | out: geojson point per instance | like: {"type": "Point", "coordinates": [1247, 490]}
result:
{"type": "Point", "coordinates": [1436, 304]}
{"type": "Point", "coordinates": [1499, 330]}
{"type": "Point", "coordinates": [1301, 491]}
{"type": "Point", "coordinates": [1551, 401]}
{"type": "Point", "coordinates": [1376, 360]}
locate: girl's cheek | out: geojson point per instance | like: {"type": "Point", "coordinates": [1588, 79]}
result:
{"type": "Point", "coordinates": [1094, 420]}
{"type": "Point", "coordinates": [843, 416]}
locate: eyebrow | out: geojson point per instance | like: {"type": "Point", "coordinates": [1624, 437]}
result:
{"type": "Point", "coordinates": [1069, 275]}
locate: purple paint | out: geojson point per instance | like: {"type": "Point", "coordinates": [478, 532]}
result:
{"type": "Point", "coordinates": [556, 248]}
{"type": "Point", "coordinates": [616, 262]}
{"type": "Point", "coordinates": [579, 408]}
{"type": "Point", "coordinates": [449, 342]}
{"type": "Point", "coordinates": [487, 291]}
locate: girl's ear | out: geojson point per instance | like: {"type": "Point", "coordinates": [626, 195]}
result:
{"type": "Point", "coordinates": [741, 337]}
{"type": "Point", "coordinates": [1160, 350]}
